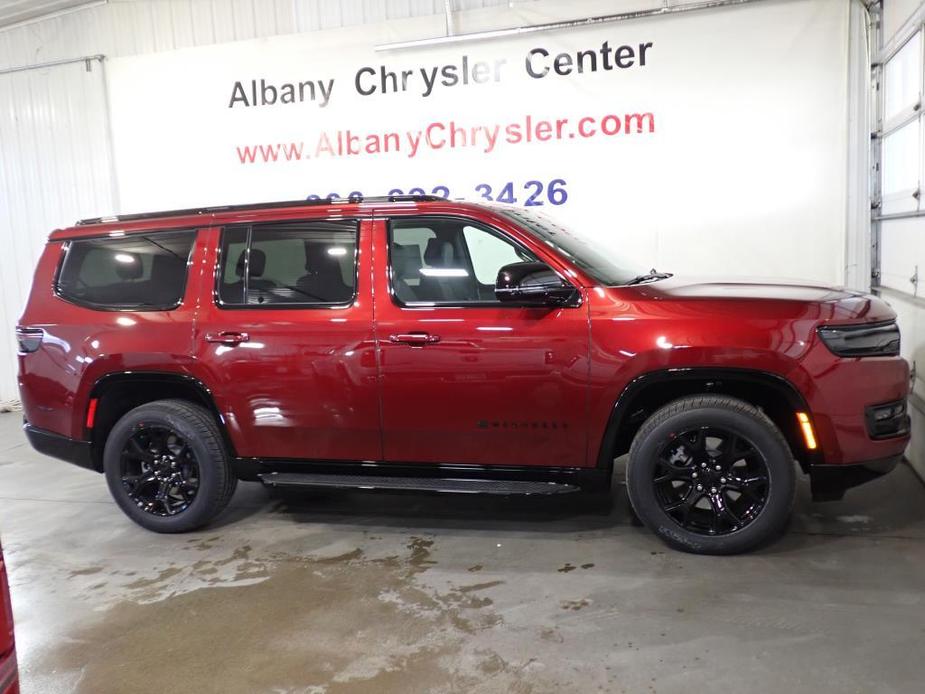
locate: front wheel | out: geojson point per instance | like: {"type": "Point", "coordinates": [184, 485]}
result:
{"type": "Point", "coordinates": [711, 475]}
{"type": "Point", "coordinates": [167, 468]}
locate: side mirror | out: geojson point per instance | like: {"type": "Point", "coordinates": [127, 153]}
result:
{"type": "Point", "coordinates": [533, 284]}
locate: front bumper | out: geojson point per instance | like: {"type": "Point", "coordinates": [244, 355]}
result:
{"type": "Point", "coordinates": [830, 482]}
{"type": "Point", "coordinates": [844, 401]}
{"type": "Point", "coordinates": [61, 447]}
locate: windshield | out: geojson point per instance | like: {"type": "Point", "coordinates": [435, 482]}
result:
{"type": "Point", "coordinates": [607, 268]}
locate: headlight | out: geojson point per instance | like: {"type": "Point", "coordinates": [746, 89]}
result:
{"type": "Point", "coordinates": [872, 340]}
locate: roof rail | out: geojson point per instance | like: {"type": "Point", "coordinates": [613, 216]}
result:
{"type": "Point", "coordinates": [256, 206]}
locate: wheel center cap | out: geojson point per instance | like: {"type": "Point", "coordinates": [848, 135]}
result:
{"type": "Point", "coordinates": [162, 464]}
{"type": "Point", "coordinates": [707, 472]}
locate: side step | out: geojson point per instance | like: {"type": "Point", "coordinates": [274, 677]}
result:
{"type": "Point", "coordinates": [418, 484]}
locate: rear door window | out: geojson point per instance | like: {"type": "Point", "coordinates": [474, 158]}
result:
{"type": "Point", "coordinates": [289, 264]}
{"type": "Point", "coordinates": [140, 271]}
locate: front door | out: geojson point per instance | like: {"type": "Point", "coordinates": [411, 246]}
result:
{"type": "Point", "coordinates": [466, 379]}
{"type": "Point", "coordinates": [288, 340]}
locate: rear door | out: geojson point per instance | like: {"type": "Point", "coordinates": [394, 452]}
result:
{"type": "Point", "coordinates": [466, 379]}
{"type": "Point", "coordinates": [287, 340]}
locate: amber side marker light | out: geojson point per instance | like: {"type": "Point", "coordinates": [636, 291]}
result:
{"type": "Point", "coordinates": [808, 434]}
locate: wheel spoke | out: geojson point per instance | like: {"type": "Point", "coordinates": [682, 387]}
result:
{"type": "Point", "coordinates": [163, 497]}
{"type": "Point", "coordinates": [672, 472]}
{"type": "Point", "coordinates": [721, 507]}
{"type": "Point", "coordinates": [696, 440]}
{"type": "Point", "coordinates": [159, 441]}
{"type": "Point", "coordinates": [730, 453]}
{"type": "Point", "coordinates": [747, 486]}
{"type": "Point", "coordinates": [692, 501]}
{"type": "Point", "coordinates": [687, 503]}
{"type": "Point", "coordinates": [714, 515]}
{"type": "Point", "coordinates": [137, 451]}
{"type": "Point", "coordinates": [138, 481]}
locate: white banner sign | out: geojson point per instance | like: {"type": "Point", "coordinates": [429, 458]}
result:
{"type": "Point", "coordinates": [712, 142]}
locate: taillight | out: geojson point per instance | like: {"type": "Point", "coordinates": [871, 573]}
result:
{"type": "Point", "coordinates": [30, 339]}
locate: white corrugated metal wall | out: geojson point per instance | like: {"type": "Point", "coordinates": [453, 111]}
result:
{"type": "Point", "coordinates": [900, 227]}
{"type": "Point", "coordinates": [128, 27]}
{"type": "Point", "coordinates": [54, 163]}
{"type": "Point", "coordinates": [54, 146]}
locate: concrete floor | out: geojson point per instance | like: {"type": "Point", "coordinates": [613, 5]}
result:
{"type": "Point", "coordinates": [386, 593]}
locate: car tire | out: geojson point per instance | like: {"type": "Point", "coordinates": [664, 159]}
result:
{"type": "Point", "coordinates": [182, 487]}
{"type": "Point", "coordinates": [695, 470]}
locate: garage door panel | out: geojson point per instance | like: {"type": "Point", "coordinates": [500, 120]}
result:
{"type": "Point", "coordinates": [902, 163]}
{"type": "Point", "coordinates": [902, 248]}
{"type": "Point", "coordinates": [896, 13]}
{"type": "Point", "coordinates": [902, 77]}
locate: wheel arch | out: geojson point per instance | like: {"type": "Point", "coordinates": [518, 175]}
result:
{"type": "Point", "coordinates": [117, 393]}
{"type": "Point", "coordinates": [772, 393]}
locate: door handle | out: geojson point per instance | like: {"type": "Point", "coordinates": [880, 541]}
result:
{"type": "Point", "coordinates": [227, 338]}
{"type": "Point", "coordinates": [414, 339]}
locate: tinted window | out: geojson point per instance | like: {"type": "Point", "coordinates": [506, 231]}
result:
{"type": "Point", "coordinates": [601, 264]}
{"type": "Point", "coordinates": [138, 271]}
{"type": "Point", "coordinates": [448, 261]}
{"type": "Point", "coordinates": [305, 263]}
{"type": "Point", "coordinates": [488, 254]}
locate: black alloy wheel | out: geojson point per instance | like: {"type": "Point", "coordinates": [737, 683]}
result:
{"type": "Point", "coordinates": [711, 480]}
{"type": "Point", "coordinates": [159, 470]}
{"type": "Point", "coordinates": [711, 474]}
{"type": "Point", "coordinates": [167, 466]}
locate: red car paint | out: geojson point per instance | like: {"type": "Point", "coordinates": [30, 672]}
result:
{"type": "Point", "coordinates": [541, 383]}
{"type": "Point", "coordinates": [9, 677]}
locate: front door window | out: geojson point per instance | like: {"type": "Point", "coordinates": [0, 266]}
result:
{"type": "Point", "coordinates": [447, 261]}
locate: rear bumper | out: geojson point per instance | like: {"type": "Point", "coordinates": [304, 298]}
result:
{"type": "Point", "coordinates": [830, 482]}
{"type": "Point", "coordinates": [9, 675]}
{"type": "Point", "coordinates": [61, 447]}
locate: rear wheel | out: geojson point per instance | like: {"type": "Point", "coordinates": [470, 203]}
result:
{"type": "Point", "coordinates": [711, 475]}
{"type": "Point", "coordinates": [167, 468]}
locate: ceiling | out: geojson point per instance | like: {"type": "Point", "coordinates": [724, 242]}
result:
{"type": "Point", "coordinates": [14, 11]}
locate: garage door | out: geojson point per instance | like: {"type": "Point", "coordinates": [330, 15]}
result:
{"type": "Point", "coordinates": [899, 222]}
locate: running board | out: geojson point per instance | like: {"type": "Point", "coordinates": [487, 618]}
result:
{"type": "Point", "coordinates": [417, 484]}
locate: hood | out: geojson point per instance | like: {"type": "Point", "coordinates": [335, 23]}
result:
{"type": "Point", "coordinates": [829, 304]}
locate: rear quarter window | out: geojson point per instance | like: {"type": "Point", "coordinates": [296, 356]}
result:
{"type": "Point", "coordinates": [141, 272]}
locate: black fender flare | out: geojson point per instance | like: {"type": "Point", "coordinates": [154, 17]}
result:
{"type": "Point", "coordinates": [622, 407]}
{"type": "Point", "coordinates": [203, 393]}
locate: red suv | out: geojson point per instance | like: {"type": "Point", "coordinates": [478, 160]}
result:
{"type": "Point", "coordinates": [415, 343]}
{"type": "Point", "coordinates": [9, 677]}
